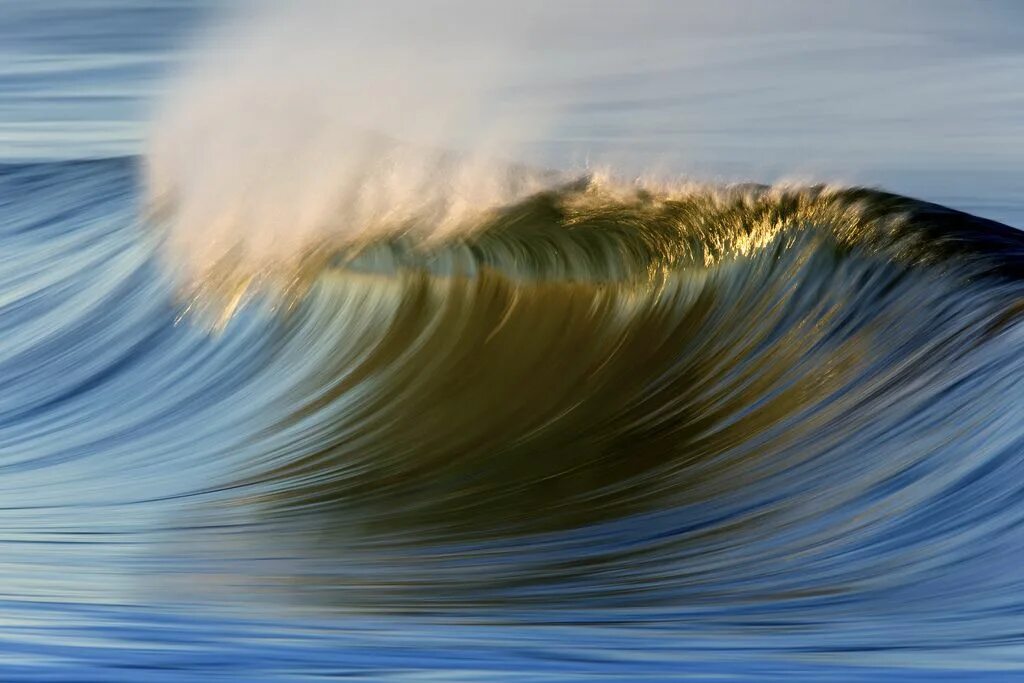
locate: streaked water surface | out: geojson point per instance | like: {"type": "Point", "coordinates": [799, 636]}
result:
{"type": "Point", "coordinates": [612, 429]}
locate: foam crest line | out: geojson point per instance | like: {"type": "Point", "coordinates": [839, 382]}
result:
{"type": "Point", "coordinates": [599, 230]}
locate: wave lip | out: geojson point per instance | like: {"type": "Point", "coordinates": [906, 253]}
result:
{"type": "Point", "coordinates": [597, 229]}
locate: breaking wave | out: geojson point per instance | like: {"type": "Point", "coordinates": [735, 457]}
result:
{"type": "Point", "coordinates": [771, 418]}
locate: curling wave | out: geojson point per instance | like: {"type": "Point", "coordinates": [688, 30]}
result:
{"type": "Point", "coordinates": [611, 395]}
{"type": "Point", "coordinates": [777, 420]}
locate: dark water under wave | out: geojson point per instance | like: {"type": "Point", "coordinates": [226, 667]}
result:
{"type": "Point", "coordinates": [773, 433]}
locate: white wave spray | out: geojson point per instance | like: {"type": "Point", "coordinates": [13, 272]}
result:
{"type": "Point", "coordinates": [318, 121]}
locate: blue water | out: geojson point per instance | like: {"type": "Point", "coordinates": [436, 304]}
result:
{"type": "Point", "coordinates": [245, 499]}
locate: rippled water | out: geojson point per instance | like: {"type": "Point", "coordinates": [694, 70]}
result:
{"type": "Point", "coordinates": [605, 430]}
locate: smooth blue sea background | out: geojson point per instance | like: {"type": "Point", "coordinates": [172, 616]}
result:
{"type": "Point", "coordinates": [922, 98]}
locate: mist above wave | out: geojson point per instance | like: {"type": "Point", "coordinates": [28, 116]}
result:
{"type": "Point", "coordinates": [322, 120]}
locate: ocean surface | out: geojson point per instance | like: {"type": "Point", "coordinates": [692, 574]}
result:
{"type": "Point", "coordinates": [706, 368]}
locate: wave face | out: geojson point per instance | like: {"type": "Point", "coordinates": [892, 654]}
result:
{"type": "Point", "coordinates": [605, 429]}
